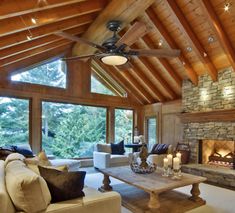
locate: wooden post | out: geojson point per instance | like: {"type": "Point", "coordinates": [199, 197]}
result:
{"type": "Point", "coordinates": [110, 125]}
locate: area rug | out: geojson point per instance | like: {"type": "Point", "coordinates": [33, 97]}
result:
{"type": "Point", "coordinates": [136, 200]}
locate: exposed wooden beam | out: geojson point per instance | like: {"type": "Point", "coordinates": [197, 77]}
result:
{"type": "Point", "coordinates": [125, 11]}
{"type": "Point", "coordinates": [146, 80]}
{"type": "Point", "coordinates": [167, 66]}
{"type": "Point", "coordinates": [171, 42]}
{"type": "Point", "coordinates": [215, 23]}
{"type": "Point", "coordinates": [21, 37]}
{"type": "Point", "coordinates": [123, 82]}
{"type": "Point", "coordinates": [11, 8]}
{"type": "Point", "coordinates": [32, 44]}
{"type": "Point", "coordinates": [19, 65]}
{"type": "Point", "coordinates": [138, 86]}
{"type": "Point", "coordinates": [36, 51]}
{"type": "Point", "coordinates": [185, 27]}
{"type": "Point", "coordinates": [24, 22]}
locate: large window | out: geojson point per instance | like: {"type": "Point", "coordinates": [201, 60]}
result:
{"type": "Point", "coordinates": [14, 121]}
{"type": "Point", "coordinates": [52, 73]}
{"type": "Point", "coordinates": [70, 130]}
{"type": "Point", "coordinates": [123, 125]}
{"type": "Point", "coordinates": [151, 131]}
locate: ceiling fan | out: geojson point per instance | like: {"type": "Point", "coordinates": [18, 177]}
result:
{"type": "Point", "coordinates": [115, 50]}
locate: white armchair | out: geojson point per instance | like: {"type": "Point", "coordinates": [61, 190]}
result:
{"type": "Point", "coordinates": [102, 157]}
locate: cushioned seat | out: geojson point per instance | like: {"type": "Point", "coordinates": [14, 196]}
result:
{"type": "Point", "coordinates": [73, 165]}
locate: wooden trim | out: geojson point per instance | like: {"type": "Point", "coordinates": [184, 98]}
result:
{"type": "Point", "coordinates": [219, 30]}
{"type": "Point", "coordinates": [211, 116]}
{"type": "Point", "coordinates": [171, 42]}
{"type": "Point", "coordinates": [192, 38]}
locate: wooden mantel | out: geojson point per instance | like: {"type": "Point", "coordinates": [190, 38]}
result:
{"type": "Point", "coordinates": [210, 116]}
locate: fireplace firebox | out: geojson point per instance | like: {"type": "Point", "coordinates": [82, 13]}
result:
{"type": "Point", "coordinates": [216, 152]}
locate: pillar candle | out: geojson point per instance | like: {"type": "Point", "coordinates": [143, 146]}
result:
{"type": "Point", "coordinates": [165, 162]}
{"type": "Point", "coordinates": [176, 163]}
{"type": "Point", "coordinates": [178, 155]}
{"type": "Point", "coordinates": [169, 157]}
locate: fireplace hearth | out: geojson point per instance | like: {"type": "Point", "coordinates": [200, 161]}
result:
{"type": "Point", "coordinates": [217, 152]}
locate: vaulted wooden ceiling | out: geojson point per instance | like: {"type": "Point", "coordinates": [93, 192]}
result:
{"type": "Point", "coordinates": [201, 29]}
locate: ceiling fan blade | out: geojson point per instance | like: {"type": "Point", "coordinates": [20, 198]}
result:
{"type": "Point", "coordinates": [136, 31]}
{"type": "Point", "coordinates": [78, 57]}
{"type": "Point", "coordinates": [79, 39]}
{"type": "Point", "coordinates": [160, 53]}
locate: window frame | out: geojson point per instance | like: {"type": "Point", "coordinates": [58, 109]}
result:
{"type": "Point", "coordinates": [147, 126]}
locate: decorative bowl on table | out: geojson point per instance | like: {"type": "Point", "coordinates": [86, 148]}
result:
{"type": "Point", "coordinates": [135, 167]}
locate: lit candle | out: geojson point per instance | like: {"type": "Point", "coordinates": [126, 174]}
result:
{"type": "Point", "coordinates": [178, 155]}
{"type": "Point", "coordinates": [169, 157]}
{"type": "Point", "coordinates": [176, 163]}
{"type": "Point", "coordinates": [165, 162]}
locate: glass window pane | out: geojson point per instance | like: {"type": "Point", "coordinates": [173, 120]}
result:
{"type": "Point", "coordinates": [152, 131]}
{"type": "Point", "coordinates": [14, 121]}
{"type": "Point", "coordinates": [50, 74]}
{"type": "Point", "coordinates": [123, 125]}
{"type": "Point", "coordinates": [70, 130]}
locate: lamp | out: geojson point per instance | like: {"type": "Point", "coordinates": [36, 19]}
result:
{"type": "Point", "coordinates": [114, 59]}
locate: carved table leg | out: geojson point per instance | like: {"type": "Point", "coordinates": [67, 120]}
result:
{"type": "Point", "coordinates": [153, 201]}
{"type": "Point", "coordinates": [106, 184]}
{"type": "Point", "coordinates": [195, 193]}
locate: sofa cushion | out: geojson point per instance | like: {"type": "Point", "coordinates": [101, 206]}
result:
{"type": "Point", "coordinates": [160, 149]}
{"type": "Point", "coordinates": [119, 159]}
{"type": "Point", "coordinates": [5, 201]}
{"type": "Point", "coordinates": [63, 185]}
{"type": "Point", "coordinates": [28, 191]}
{"type": "Point", "coordinates": [103, 148]}
{"type": "Point", "coordinates": [13, 157]}
{"type": "Point", "coordinates": [117, 148]}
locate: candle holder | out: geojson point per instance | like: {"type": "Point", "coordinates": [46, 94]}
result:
{"type": "Point", "coordinates": [176, 175]}
{"type": "Point", "coordinates": [169, 170]}
{"type": "Point", "coordinates": [165, 171]}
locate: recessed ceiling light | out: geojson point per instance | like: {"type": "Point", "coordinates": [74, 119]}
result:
{"type": "Point", "coordinates": [160, 42]}
{"type": "Point", "coordinates": [211, 39]}
{"type": "Point", "coordinates": [189, 49]}
{"type": "Point", "coordinates": [33, 20]}
{"type": "Point", "coordinates": [226, 7]}
{"type": "Point", "coordinates": [205, 54]}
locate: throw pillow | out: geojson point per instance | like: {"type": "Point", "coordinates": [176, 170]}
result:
{"type": "Point", "coordinates": [63, 185]}
{"type": "Point", "coordinates": [41, 159]}
{"type": "Point", "coordinates": [28, 191]}
{"type": "Point", "coordinates": [34, 168]}
{"type": "Point", "coordinates": [160, 149]}
{"type": "Point", "coordinates": [24, 149]}
{"type": "Point", "coordinates": [118, 148]}
{"type": "Point", "coordinates": [4, 152]}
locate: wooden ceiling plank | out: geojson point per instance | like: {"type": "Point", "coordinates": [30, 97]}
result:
{"type": "Point", "coordinates": [148, 42]}
{"type": "Point", "coordinates": [125, 11]}
{"type": "Point", "coordinates": [192, 38]}
{"type": "Point", "coordinates": [15, 7]}
{"type": "Point", "coordinates": [136, 85]}
{"type": "Point", "coordinates": [42, 56]}
{"type": "Point", "coordinates": [221, 34]}
{"type": "Point", "coordinates": [123, 82]}
{"type": "Point", "coordinates": [171, 42]}
{"type": "Point", "coordinates": [20, 23]}
{"type": "Point", "coordinates": [29, 45]}
{"type": "Point", "coordinates": [21, 37]}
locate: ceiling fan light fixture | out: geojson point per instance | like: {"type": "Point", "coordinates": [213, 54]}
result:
{"type": "Point", "coordinates": [114, 60]}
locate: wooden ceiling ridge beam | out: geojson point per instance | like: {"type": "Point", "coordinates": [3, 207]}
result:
{"type": "Point", "coordinates": [32, 44]}
{"type": "Point", "coordinates": [16, 8]}
{"type": "Point", "coordinates": [42, 56]}
{"type": "Point", "coordinates": [20, 23]}
{"type": "Point", "coordinates": [30, 53]}
{"type": "Point", "coordinates": [136, 85]}
{"type": "Point", "coordinates": [41, 31]}
{"type": "Point", "coordinates": [149, 83]}
{"type": "Point", "coordinates": [171, 42]}
{"type": "Point", "coordinates": [221, 34]}
{"type": "Point", "coordinates": [124, 83]}
{"type": "Point", "coordinates": [167, 66]}
{"type": "Point", "coordinates": [148, 64]}
{"type": "Point", "coordinates": [192, 38]}
{"type": "Point", "coordinates": [125, 11]}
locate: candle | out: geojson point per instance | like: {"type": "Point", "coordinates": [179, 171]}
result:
{"type": "Point", "coordinates": [169, 157]}
{"type": "Point", "coordinates": [178, 155]}
{"type": "Point", "coordinates": [176, 163]}
{"type": "Point", "coordinates": [165, 162]}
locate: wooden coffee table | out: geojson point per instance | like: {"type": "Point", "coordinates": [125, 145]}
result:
{"type": "Point", "coordinates": [153, 183]}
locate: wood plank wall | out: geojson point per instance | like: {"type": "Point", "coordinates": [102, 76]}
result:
{"type": "Point", "coordinates": [77, 92]}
